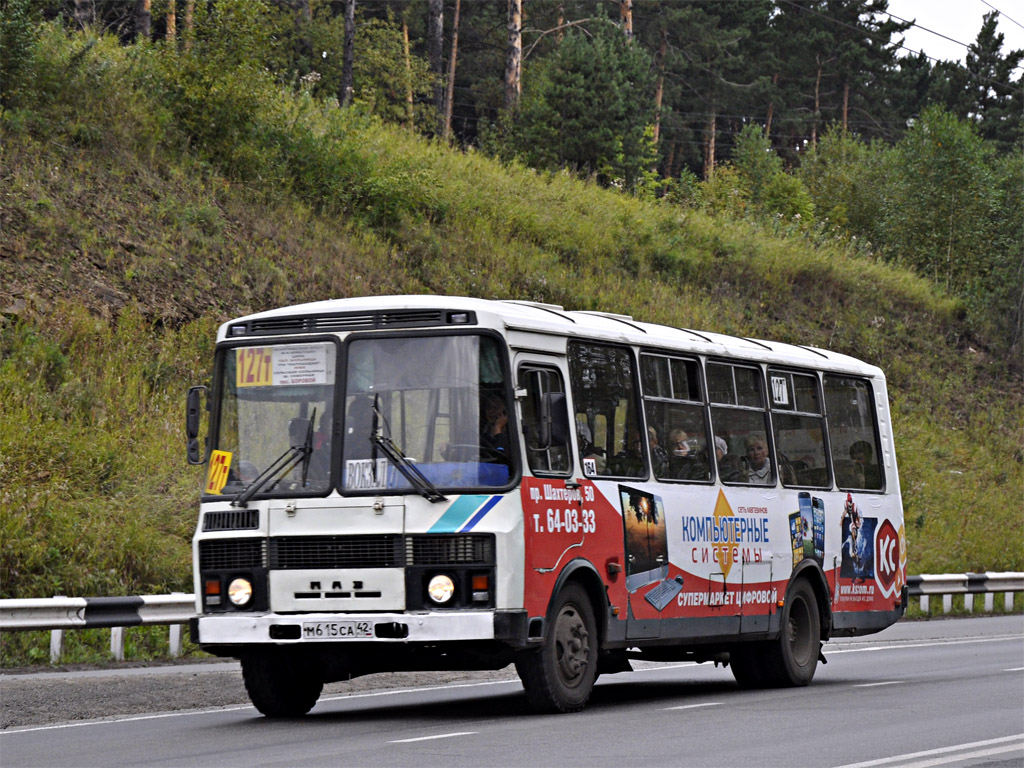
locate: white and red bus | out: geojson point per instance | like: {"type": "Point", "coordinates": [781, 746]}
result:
{"type": "Point", "coordinates": [435, 483]}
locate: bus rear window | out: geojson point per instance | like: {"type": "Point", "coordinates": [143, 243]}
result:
{"type": "Point", "coordinates": [853, 433]}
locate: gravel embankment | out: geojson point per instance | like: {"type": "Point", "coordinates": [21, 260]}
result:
{"type": "Point", "coordinates": [64, 695]}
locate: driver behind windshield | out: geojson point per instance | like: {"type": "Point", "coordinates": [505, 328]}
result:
{"type": "Point", "coordinates": [495, 431]}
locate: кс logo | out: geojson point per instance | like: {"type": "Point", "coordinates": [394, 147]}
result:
{"type": "Point", "coordinates": [887, 558]}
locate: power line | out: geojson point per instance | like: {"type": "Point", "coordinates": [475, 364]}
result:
{"type": "Point", "coordinates": [929, 31]}
{"type": "Point", "coordinates": [1003, 14]}
{"type": "Point", "coordinates": [862, 30]}
{"type": "Point", "coordinates": [939, 34]}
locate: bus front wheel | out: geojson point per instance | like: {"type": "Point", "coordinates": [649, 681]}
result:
{"type": "Point", "coordinates": [279, 685]}
{"type": "Point", "coordinates": [559, 676]}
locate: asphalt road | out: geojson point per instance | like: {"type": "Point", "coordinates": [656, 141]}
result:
{"type": "Point", "coordinates": [919, 694]}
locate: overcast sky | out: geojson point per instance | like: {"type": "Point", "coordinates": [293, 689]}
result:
{"type": "Point", "coordinates": [959, 20]}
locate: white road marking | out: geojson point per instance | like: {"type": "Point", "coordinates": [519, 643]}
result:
{"type": "Point", "coordinates": [431, 738]}
{"type": "Point", "coordinates": [696, 706]}
{"type": "Point", "coordinates": [945, 755]}
{"type": "Point", "coordinates": [243, 707]}
{"type": "Point", "coordinates": [875, 685]}
{"type": "Point", "coordinates": [931, 763]}
{"type": "Point", "coordinates": [396, 691]}
{"type": "Point", "coordinates": [832, 650]}
{"type": "Point", "coordinates": [515, 681]}
{"type": "Point", "coordinates": [1014, 669]}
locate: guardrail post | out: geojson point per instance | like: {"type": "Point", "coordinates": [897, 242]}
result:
{"type": "Point", "coordinates": [174, 640]}
{"type": "Point", "coordinates": [969, 602]}
{"type": "Point", "coordinates": [924, 603]}
{"type": "Point", "coordinates": [56, 645]}
{"type": "Point", "coordinates": [1008, 601]}
{"type": "Point", "coordinates": [117, 643]}
{"type": "Point", "coordinates": [989, 600]}
{"type": "Point", "coordinates": [947, 603]}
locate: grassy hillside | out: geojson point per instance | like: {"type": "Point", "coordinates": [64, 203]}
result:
{"type": "Point", "coordinates": [128, 232]}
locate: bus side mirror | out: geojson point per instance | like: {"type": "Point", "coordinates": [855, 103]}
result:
{"type": "Point", "coordinates": [554, 420]}
{"type": "Point", "coordinates": [192, 413]}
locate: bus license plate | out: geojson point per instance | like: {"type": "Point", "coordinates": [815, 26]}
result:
{"type": "Point", "coordinates": [336, 630]}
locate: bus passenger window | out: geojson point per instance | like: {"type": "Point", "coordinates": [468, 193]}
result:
{"type": "Point", "coordinates": [740, 425]}
{"type": "Point", "coordinates": [543, 455]}
{"type": "Point", "coordinates": [676, 421]}
{"type": "Point", "coordinates": [799, 429]}
{"type": "Point", "coordinates": [608, 425]}
{"type": "Point", "coordinates": [853, 434]}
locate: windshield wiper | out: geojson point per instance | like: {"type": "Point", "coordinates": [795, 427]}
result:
{"type": "Point", "coordinates": [280, 467]}
{"type": "Point", "coordinates": [402, 463]}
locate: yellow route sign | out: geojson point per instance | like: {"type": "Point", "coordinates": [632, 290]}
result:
{"type": "Point", "coordinates": [254, 366]}
{"type": "Point", "coordinates": [217, 477]}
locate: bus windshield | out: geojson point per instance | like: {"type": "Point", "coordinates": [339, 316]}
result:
{"type": "Point", "coordinates": [441, 401]}
{"type": "Point", "coordinates": [276, 404]}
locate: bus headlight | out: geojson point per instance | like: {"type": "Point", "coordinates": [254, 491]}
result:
{"type": "Point", "coordinates": [240, 591]}
{"type": "Point", "coordinates": [441, 589]}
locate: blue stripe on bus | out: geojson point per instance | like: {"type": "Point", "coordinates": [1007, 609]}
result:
{"type": "Point", "coordinates": [457, 514]}
{"type": "Point", "coordinates": [480, 514]}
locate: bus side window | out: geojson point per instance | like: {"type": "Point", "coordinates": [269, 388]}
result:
{"type": "Point", "coordinates": [853, 433]}
{"type": "Point", "coordinates": [676, 421]}
{"type": "Point", "coordinates": [544, 457]}
{"type": "Point", "coordinates": [740, 424]}
{"type": "Point", "coordinates": [611, 434]}
{"type": "Point", "coordinates": [799, 428]}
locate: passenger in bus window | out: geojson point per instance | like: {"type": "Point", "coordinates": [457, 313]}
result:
{"type": "Point", "coordinates": [322, 436]}
{"type": "Point", "coordinates": [730, 468]}
{"type": "Point", "coordinates": [867, 472]}
{"type": "Point", "coordinates": [681, 461]}
{"type": "Point", "coordinates": [320, 460]}
{"type": "Point", "coordinates": [247, 472]}
{"type": "Point", "coordinates": [629, 462]}
{"type": "Point", "coordinates": [659, 456]}
{"type": "Point", "coordinates": [588, 451]}
{"type": "Point", "coordinates": [359, 423]}
{"type": "Point", "coordinates": [759, 467]}
{"type": "Point", "coordinates": [689, 461]}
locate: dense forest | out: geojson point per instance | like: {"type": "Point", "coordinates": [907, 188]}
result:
{"type": "Point", "coordinates": [811, 112]}
{"type": "Point", "coordinates": [771, 169]}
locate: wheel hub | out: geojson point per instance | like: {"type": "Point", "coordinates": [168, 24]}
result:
{"type": "Point", "coordinates": [572, 645]}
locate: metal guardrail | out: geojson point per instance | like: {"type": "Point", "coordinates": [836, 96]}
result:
{"type": "Point", "coordinates": [968, 585]}
{"type": "Point", "coordinates": [58, 614]}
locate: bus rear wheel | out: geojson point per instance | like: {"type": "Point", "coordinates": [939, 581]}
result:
{"type": "Point", "coordinates": [748, 663]}
{"type": "Point", "coordinates": [279, 685]}
{"type": "Point", "coordinates": [793, 657]}
{"type": "Point", "coordinates": [559, 676]}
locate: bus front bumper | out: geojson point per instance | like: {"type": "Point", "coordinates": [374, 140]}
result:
{"type": "Point", "coordinates": [437, 626]}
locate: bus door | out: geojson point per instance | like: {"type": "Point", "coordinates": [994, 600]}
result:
{"type": "Point", "coordinates": [554, 526]}
{"type": "Point", "coordinates": [647, 566]}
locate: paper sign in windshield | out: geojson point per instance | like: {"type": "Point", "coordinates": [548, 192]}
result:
{"type": "Point", "coordinates": [366, 474]}
{"type": "Point", "coordinates": [282, 366]}
{"type": "Point", "coordinates": [217, 476]}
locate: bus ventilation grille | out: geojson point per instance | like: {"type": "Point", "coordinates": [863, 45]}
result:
{"type": "Point", "coordinates": [461, 549]}
{"type": "Point", "coordinates": [371, 551]}
{"type": "Point", "coordinates": [374, 551]}
{"type": "Point", "coordinates": [223, 554]}
{"type": "Point", "coordinates": [413, 318]}
{"type": "Point", "coordinates": [232, 520]}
